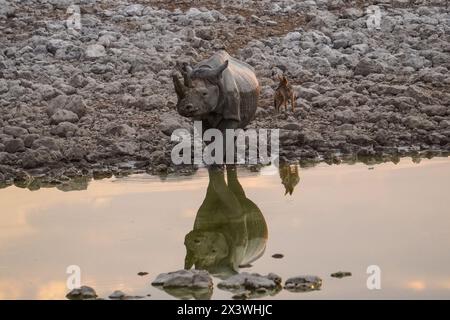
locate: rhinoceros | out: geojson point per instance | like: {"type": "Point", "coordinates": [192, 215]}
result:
{"type": "Point", "coordinates": [221, 91]}
{"type": "Point", "coordinates": [229, 229]}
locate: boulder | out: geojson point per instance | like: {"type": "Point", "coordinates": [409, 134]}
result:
{"type": "Point", "coordinates": [184, 278]}
{"type": "Point", "coordinates": [65, 129]}
{"type": "Point", "coordinates": [63, 115]}
{"type": "Point", "coordinates": [303, 283]}
{"type": "Point", "coordinates": [14, 145]}
{"type": "Point", "coordinates": [84, 292]}
{"type": "Point", "coordinates": [250, 281]}
{"type": "Point", "coordinates": [14, 131]}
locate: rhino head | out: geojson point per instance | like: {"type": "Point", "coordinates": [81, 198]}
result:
{"type": "Point", "coordinates": [199, 94]}
{"type": "Point", "coordinates": [205, 249]}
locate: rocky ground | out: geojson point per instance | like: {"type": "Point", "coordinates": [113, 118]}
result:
{"type": "Point", "coordinates": [100, 101]}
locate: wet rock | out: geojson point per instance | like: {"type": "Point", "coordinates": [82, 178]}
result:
{"type": "Point", "coordinates": [84, 292]}
{"type": "Point", "coordinates": [303, 283]}
{"type": "Point", "coordinates": [117, 295]}
{"type": "Point", "coordinates": [250, 281]}
{"type": "Point", "coordinates": [193, 279]}
{"type": "Point", "coordinates": [63, 115]}
{"type": "Point", "coordinates": [14, 145]}
{"type": "Point", "coordinates": [342, 274]}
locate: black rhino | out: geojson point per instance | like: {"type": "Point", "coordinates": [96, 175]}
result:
{"type": "Point", "coordinates": [220, 91]}
{"type": "Point", "coordinates": [229, 229]}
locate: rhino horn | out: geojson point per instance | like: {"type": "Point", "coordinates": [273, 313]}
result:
{"type": "Point", "coordinates": [187, 71]}
{"type": "Point", "coordinates": [189, 260]}
{"type": "Point", "coordinates": [179, 88]}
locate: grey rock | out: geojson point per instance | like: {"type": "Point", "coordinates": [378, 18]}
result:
{"type": "Point", "coordinates": [14, 131]}
{"type": "Point", "coordinates": [77, 105]}
{"type": "Point", "coordinates": [250, 281]}
{"type": "Point", "coordinates": [29, 139]}
{"type": "Point", "coordinates": [435, 110]}
{"type": "Point", "coordinates": [65, 129]}
{"type": "Point", "coordinates": [95, 51]}
{"type": "Point", "coordinates": [133, 10]}
{"type": "Point", "coordinates": [117, 295]}
{"type": "Point", "coordinates": [84, 292]}
{"type": "Point", "coordinates": [346, 116]}
{"type": "Point", "coordinates": [46, 142]}
{"type": "Point", "coordinates": [125, 148]}
{"type": "Point", "coordinates": [416, 122]}
{"type": "Point", "coordinates": [367, 66]}
{"type": "Point", "coordinates": [73, 103]}
{"type": "Point", "coordinates": [63, 115]}
{"type": "Point", "coordinates": [14, 145]}
{"type": "Point", "coordinates": [341, 274]}
{"type": "Point", "coordinates": [303, 283]}
{"type": "Point", "coordinates": [169, 123]}
{"type": "Point", "coordinates": [152, 102]}
{"type": "Point", "coordinates": [305, 93]}
{"type": "Point", "coordinates": [206, 33]}
{"type": "Point", "coordinates": [7, 9]}
{"type": "Point", "coordinates": [184, 278]}
{"type": "Point", "coordinates": [120, 130]}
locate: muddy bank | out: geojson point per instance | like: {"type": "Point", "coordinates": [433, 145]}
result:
{"type": "Point", "coordinates": [100, 101]}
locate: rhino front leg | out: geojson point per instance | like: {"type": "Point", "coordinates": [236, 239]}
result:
{"type": "Point", "coordinates": [228, 144]}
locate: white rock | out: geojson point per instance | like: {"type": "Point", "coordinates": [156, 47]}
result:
{"type": "Point", "coordinates": [95, 51]}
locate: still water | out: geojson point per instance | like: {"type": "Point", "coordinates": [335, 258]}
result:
{"type": "Point", "coordinates": [338, 218]}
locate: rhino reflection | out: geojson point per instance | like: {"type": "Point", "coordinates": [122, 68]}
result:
{"type": "Point", "coordinates": [229, 229]}
{"type": "Point", "coordinates": [289, 177]}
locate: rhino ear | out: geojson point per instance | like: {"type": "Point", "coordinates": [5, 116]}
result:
{"type": "Point", "coordinates": [179, 89]}
{"type": "Point", "coordinates": [219, 70]}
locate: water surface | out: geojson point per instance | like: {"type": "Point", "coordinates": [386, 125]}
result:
{"type": "Point", "coordinates": [343, 217]}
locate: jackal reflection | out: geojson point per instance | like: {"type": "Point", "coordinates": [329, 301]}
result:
{"type": "Point", "coordinates": [229, 229]}
{"type": "Point", "coordinates": [289, 177]}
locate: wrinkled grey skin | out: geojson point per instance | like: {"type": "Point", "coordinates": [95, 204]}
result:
{"type": "Point", "coordinates": [229, 229]}
{"type": "Point", "coordinates": [221, 91]}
